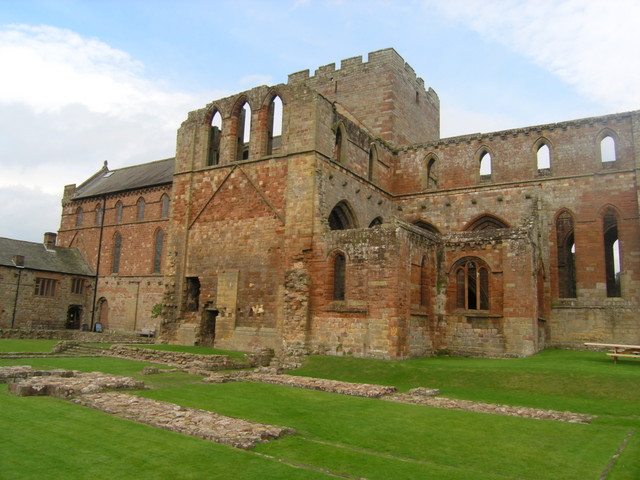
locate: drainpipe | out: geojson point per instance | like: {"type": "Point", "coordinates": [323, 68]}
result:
{"type": "Point", "coordinates": [15, 300]}
{"type": "Point", "coordinates": [95, 281]}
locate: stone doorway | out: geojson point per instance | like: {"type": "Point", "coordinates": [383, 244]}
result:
{"type": "Point", "coordinates": [74, 315]}
{"type": "Point", "coordinates": [208, 328]}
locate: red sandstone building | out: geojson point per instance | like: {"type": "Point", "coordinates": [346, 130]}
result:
{"type": "Point", "coordinates": [327, 214]}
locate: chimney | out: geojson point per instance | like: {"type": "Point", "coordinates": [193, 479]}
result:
{"type": "Point", "coordinates": [50, 239]}
{"type": "Point", "coordinates": [18, 260]}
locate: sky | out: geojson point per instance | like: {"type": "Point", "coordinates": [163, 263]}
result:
{"type": "Point", "coordinates": [82, 82]}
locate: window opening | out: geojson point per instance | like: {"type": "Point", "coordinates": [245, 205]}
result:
{"type": "Point", "coordinates": [119, 212]}
{"type": "Point", "coordinates": [274, 137]}
{"type": "Point", "coordinates": [99, 215]}
{"type": "Point", "coordinates": [544, 159]}
{"type": "Point", "coordinates": [244, 132]}
{"type": "Point", "coordinates": [339, 276]}
{"type": "Point", "coordinates": [375, 222]}
{"type": "Point", "coordinates": [341, 217]}
{"type": "Point", "coordinates": [432, 177]}
{"type": "Point", "coordinates": [192, 294]}
{"type": "Point", "coordinates": [472, 286]}
{"type": "Point", "coordinates": [117, 248]}
{"type": "Point", "coordinates": [77, 286]}
{"type": "Point", "coordinates": [140, 209]}
{"type": "Point", "coordinates": [566, 256]}
{"type": "Point", "coordinates": [423, 282]}
{"type": "Point", "coordinates": [608, 149]}
{"type": "Point", "coordinates": [45, 287]}
{"type": "Point", "coordinates": [215, 135]}
{"type": "Point", "coordinates": [485, 165]}
{"type": "Point", "coordinates": [373, 159]}
{"type": "Point", "coordinates": [79, 214]}
{"type": "Point", "coordinates": [339, 147]}
{"type": "Point", "coordinates": [157, 252]}
{"type": "Point", "coordinates": [612, 254]}
{"type": "Point", "coordinates": [165, 206]}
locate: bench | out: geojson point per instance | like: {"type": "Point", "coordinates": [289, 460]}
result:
{"type": "Point", "coordinates": [147, 332]}
{"type": "Point", "coordinates": [617, 350]}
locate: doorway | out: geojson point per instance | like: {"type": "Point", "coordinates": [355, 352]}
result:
{"type": "Point", "coordinates": [208, 328]}
{"type": "Point", "coordinates": [74, 314]}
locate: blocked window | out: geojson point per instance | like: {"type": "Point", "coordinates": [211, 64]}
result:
{"type": "Point", "coordinates": [165, 205]}
{"type": "Point", "coordinates": [543, 159]}
{"type": "Point", "coordinates": [274, 134]}
{"type": "Point", "coordinates": [611, 254]}
{"type": "Point", "coordinates": [45, 287]}
{"type": "Point", "coordinates": [243, 132]}
{"type": "Point", "coordinates": [373, 160]}
{"type": "Point", "coordinates": [192, 297]}
{"type": "Point", "coordinates": [339, 276]}
{"type": "Point", "coordinates": [140, 206]}
{"type": "Point", "coordinates": [472, 285]}
{"type": "Point", "coordinates": [215, 136]}
{"type": "Point", "coordinates": [157, 252]}
{"type": "Point", "coordinates": [99, 215]}
{"type": "Point", "coordinates": [607, 149]}
{"type": "Point", "coordinates": [119, 212]}
{"type": "Point", "coordinates": [566, 255]}
{"type": "Point", "coordinates": [117, 250]}
{"type": "Point", "coordinates": [77, 286]}
{"type": "Point", "coordinates": [79, 215]}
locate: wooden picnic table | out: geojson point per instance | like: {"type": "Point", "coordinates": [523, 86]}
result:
{"type": "Point", "coordinates": [617, 350]}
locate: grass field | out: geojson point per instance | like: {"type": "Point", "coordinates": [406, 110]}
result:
{"type": "Point", "coordinates": [42, 437]}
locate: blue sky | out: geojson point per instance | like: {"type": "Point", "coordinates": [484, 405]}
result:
{"type": "Point", "coordinates": [88, 81]}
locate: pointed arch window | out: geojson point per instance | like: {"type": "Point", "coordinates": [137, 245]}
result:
{"type": "Point", "coordinates": [157, 252]}
{"type": "Point", "coordinates": [339, 276]}
{"type": "Point", "coordinates": [608, 151]}
{"type": "Point", "coordinates": [140, 206]}
{"type": "Point", "coordinates": [611, 253]}
{"type": "Point", "coordinates": [117, 250]}
{"type": "Point", "coordinates": [375, 222]}
{"type": "Point", "coordinates": [486, 222]}
{"type": "Point", "coordinates": [472, 285]}
{"type": "Point", "coordinates": [543, 160]}
{"type": "Point", "coordinates": [339, 149]}
{"type": "Point", "coordinates": [274, 136]}
{"type": "Point", "coordinates": [342, 217]}
{"type": "Point", "coordinates": [373, 160]}
{"type": "Point", "coordinates": [119, 212]}
{"type": "Point", "coordinates": [243, 132]}
{"type": "Point", "coordinates": [215, 136]}
{"type": "Point", "coordinates": [79, 215]}
{"type": "Point", "coordinates": [485, 165]}
{"type": "Point", "coordinates": [432, 172]}
{"type": "Point", "coordinates": [99, 214]}
{"type": "Point", "coordinates": [566, 256]}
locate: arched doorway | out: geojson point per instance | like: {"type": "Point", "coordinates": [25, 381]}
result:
{"type": "Point", "coordinates": [103, 313]}
{"type": "Point", "coordinates": [74, 316]}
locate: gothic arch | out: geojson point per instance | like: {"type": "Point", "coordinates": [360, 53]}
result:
{"type": "Point", "coordinates": [342, 217]}
{"type": "Point", "coordinates": [340, 146]}
{"type": "Point", "coordinates": [241, 128]}
{"type": "Point", "coordinates": [484, 161]}
{"type": "Point", "coordinates": [430, 227]}
{"type": "Point", "coordinates": [607, 154]}
{"type": "Point", "coordinates": [542, 152]}
{"type": "Point", "coordinates": [431, 171]}
{"type": "Point", "coordinates": [486, 221]}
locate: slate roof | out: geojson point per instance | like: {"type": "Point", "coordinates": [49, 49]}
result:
{"type": "Point", "coordinates": [37, 257]}
{"type": "Point", "coordinates": [127, 178]}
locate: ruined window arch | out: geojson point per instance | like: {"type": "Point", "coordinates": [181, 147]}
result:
{"type": "Point", "coordinates": [117, 251]}
{"type": "Point", "coordinates": [339, 276]}
{"type": "Point", "coordinates": [274, 134]}
{"type": "Point", "coordinates": [375, 222]}
{"type": "Point", "coordinates": [485, 164]}
{"type": "Point", "coordinates": [118, 212]}
{"type": "Point", "coordinates": [432, 171]}
{"type": "Point", "coordinates": [426, 226]}
{"type": "Point", "coordinates": [165, 205]}
{"type": "Point", "coordinates": [157, 251]}
{"type": "Point", "coordinates": [423, 282]}
{"type": "Point", "coordinates": [79, 216]}
{"type": "Point", "coordinates": [215, 137]}
{"type": "Point", "coordinates": [608, 153]}
{"type": "Point", "coordinates": [340, 146]}
{"type": "Point", "coordinates": [342, 217]}
{"type": "Point", "coordinates": [140, 204]}
{"type": "Point", "coordinates": [611, 252]}
{"type": "Point", "coordinates": [373, 160]}
{"type": "Point", "coordinates": [565, 241]}
{"type": "Point", "coordinates": [543, 158]}
{"type": "Point", "coordinates": [485, 222]}
{"type": "Point", "coordinates": [99, 215]}
{"type": "Point", "coordinates": [471, 284]}
{"type": "Point", "coordinates": [243, 131]}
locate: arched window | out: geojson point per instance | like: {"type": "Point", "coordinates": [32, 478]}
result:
{"type": "Point", "coordinates": [79, 215]}
{"type": "Point", "coordinates": [215, 135]}
{"type": "Point", "coordinates": [339, 276]}
{"type": "Point", "coordinates": [157, 252]}
{"type": "Point", "coordinates": [140, 206]}
{"type": "Point", "coordinates": [432, 173]}
{"type": "Point", "coordinates": [566, 256]}
{"type": "Point", "coordinates": [119, 212]}
{"type": "Point", "coordinates": [165, 205]}
{"type": "Point", "coordinates": [375, 222]}
{"type": "Point", "coordinates": [274, 136]}
{"type": "Point", "coordinates": [607, 149]}
{"type": "Point", "coordinates": [342, 217]}
{"type": "Point", "coordinates": [99, 214]}
{"type": "Point", "coordinates": [426, 226]}
{"type": "Point", "coordinates": [373, 159]}
{"type": "Point", "coordinates": [611, 253]}
{"type": "Point", "coordinates": [485, 222]}
{"type": "Point", "coordinates": [543, 160]}
{"type": "Point", "coordinates": [472, 285]}
{"type": "Point", "coordinates": [485, 165]}
{"type": "Point", "coordinates": [419, 281]}
{"type": "Point", "coordinates": [243, 132]}
{"type": "Point", "coordinates": [339, 150]}
{"type": "Point", "coordinates": [117, 250]}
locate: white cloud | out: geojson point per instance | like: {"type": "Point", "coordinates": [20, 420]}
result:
{"type": "Point", "coordinates": [590, 45]}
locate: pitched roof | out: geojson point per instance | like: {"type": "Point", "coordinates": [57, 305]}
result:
{"type": "Point", "coordinates": [128, 178]}
{"type": "Point", "coordinates": [38, 257]}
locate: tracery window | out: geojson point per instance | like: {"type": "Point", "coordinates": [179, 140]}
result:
{"type": "Point", "coordinates": [472, 285]}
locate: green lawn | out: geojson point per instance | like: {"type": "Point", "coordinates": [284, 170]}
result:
{"type": "Point", "coordinates": [361, 438]}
